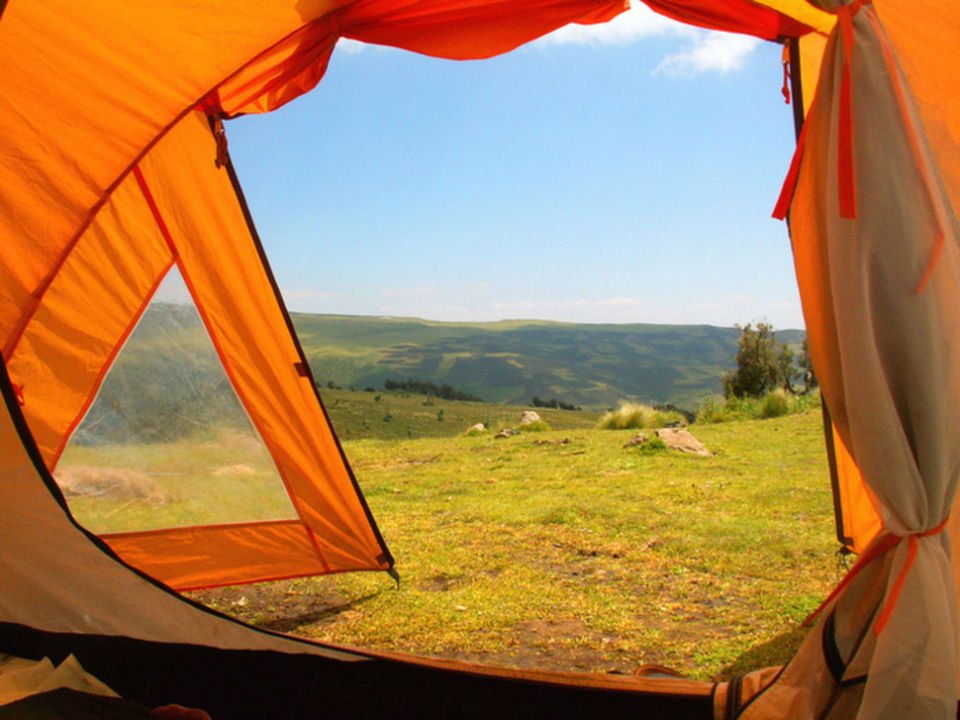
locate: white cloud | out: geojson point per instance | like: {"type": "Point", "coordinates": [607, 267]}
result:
{"type": "Point", "coordinates": [701, 51]}
{"type": "Point", "coordinates": [744, 308]}
{"type": "Point", "coordinates": [709, 51]}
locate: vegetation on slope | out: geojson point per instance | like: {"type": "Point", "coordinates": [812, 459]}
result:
{"type": "Point", "coordinates": [513, 361]}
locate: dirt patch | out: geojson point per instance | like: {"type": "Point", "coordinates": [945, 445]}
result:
{"type": "Point", "coordinates": [124, 483]}
{"type": "Point", "coordinates": [295, 607]}
{"type": "Point", "coordinates": [553, 644]}
{"type": "Point", "coordinates": [282, 606]}
{"type": "Point", "coordinates": [437, 583]}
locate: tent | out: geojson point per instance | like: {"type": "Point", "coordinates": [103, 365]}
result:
{"type": "Point", "coordinates": [114, 168]}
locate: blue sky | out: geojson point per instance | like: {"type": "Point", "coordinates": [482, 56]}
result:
{"type": "Point", "coordinates": [623, 173]}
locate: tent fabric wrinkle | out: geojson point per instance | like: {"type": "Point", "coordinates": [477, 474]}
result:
{"type": "Point", "coordinates": [740, 16]}
{"type": "Point", "coordinates": [453, 29]}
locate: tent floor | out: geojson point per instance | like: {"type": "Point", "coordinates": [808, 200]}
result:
{"type": "Point", "coordinates": [259, 684]}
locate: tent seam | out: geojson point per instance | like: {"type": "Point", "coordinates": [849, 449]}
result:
{"type": "Point", "coordinates": [161, 223]}
{"type": "Point", "coordinates": [106, 367]}
{"type": "Point", "coordinates": [291, 330]}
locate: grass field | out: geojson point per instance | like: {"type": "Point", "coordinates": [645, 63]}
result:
{"type": "Point", "coordinates": [401, 416]}
{"type": "Point", "coordinates": [565, 550]}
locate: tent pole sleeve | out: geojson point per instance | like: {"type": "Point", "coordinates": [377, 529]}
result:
{"type": "Point", "coordinates": [796, 91]}
{"type": "Point", "coordinates": [842, 536]}
{"type": "Point", "coordinates": [796, 84]}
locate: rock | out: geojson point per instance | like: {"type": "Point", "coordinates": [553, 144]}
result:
{"type": "Point", "coordinates": [529, 417]}
{"type": "Point", "coordinates": [478, 428]}
{"type": "Point", "coordinates": [682, 440]}
{"type": "Point", "coordinates": [506, 432]}
{"type": "Point", "coordinates": [638, 439]}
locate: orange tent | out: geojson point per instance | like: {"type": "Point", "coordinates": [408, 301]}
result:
{"type": "Point", "coordinates": [114, 169]}
{"type": "Point", "coordinates": [130, 176]}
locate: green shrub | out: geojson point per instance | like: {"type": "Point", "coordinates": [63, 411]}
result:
{"type": "Point", "coordinates": [536, 426]}
{"type": "Point", "coordinates": [635, 416]}
{"type": "Point", "coordinates": [652, 446]}
{"type": "Point", "coordinates": [774, 404]}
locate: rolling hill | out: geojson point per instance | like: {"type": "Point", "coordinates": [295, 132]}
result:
{"type": "Point", "coordinates": [513, 361]}
{"type": "Point", "coordinates": [167, 381]}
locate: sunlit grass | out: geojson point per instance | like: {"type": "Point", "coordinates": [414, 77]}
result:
{"type": "Point", "coordinates": [565, 549]}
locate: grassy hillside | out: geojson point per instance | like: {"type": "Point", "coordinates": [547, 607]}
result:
{"type": "Point", "coordinates": [168, 380]}
{"type": "Point", "coordinates": [513, 361]}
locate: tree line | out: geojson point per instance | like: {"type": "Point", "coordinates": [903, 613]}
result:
{"type": "Point", "coordinates": [424, 387]}
{"type": "Point", "coordinates": [553, 403]}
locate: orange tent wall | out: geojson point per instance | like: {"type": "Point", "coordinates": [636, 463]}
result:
{"type": "Point", "coordinates": [125, 177]}
{"type": "Point", "coordinates": [170, 208]}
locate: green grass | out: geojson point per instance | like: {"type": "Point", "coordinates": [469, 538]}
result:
{"type": "Point", "coordinates": [774, 404]}
{"type": "Point", "coordinates": [564, 549]}
{"type": "Point", "coordinates": [359, 415]}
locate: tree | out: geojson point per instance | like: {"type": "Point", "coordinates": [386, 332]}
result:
{"type": "Point", "coordinates": [806, 368]}
{"type": "Point", "coordinates": [786, 370]}
{"type": "Point", "coordinates": [763, 364]}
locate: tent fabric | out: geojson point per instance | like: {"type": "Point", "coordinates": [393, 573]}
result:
{"type": "Point", "coordinates": [111, 171]}
{"type": "Point", "coordinates": [111, 175]}
{"type": "Point", "coordinates": [741, 16]}
{"type": "Point", "coordinates": [173, 202]}
{"type": "Point", "coordinates": [878, 280]}
{"type": "Point", "coordinates": [803, 12]}
{"type": "Point", "coordinates": [455, 29]}
{"type": "Point", "coordinates": [921, 33]}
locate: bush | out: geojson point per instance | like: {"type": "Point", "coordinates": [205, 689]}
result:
{"type": "Point", "coordinates": [553, 403]}
{"type": "Point", "coordinates": [774, 404]}
{"type": "Point", "coordinates": [652, 446]}
{"type": "Point", "coordinates": [536, 426]}
{"type": "Point", "coordinates": [636, 416]}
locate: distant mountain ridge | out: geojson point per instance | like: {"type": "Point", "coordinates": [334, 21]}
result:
{"type": "Point", "coordinates": [512, 361]}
